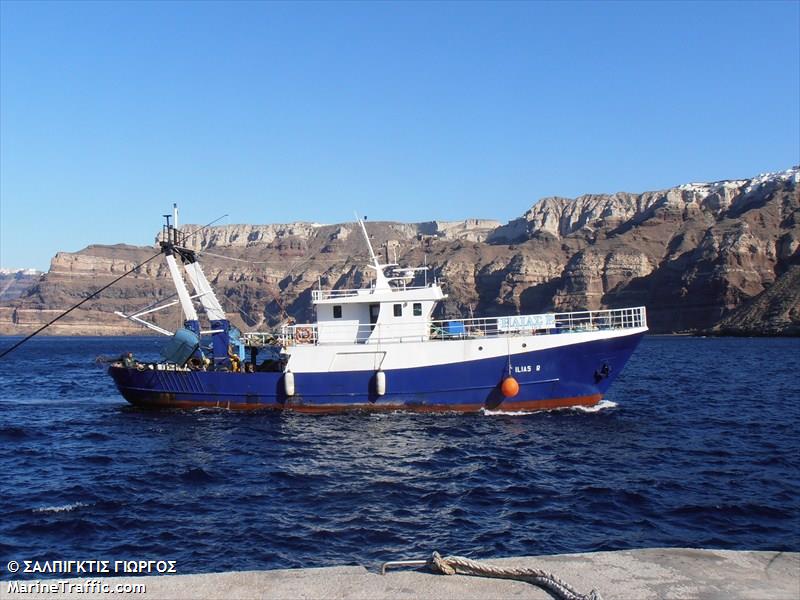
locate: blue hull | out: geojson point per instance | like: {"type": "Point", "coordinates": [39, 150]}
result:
{"type": "Point", "coordinates": [575, 374]}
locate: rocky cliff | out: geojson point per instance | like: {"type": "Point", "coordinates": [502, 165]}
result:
{"type": "Point", "coordinates": [775, 311]}
{"type": "Point", "coordinates": [14, 282]}
{"type": "Point", "coordinates": [691, 254]}
{"type": "Point", "coordinates": [695, 255]}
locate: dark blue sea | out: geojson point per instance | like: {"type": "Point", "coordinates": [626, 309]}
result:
{"type": "Point", "coordinates": [697, 445]}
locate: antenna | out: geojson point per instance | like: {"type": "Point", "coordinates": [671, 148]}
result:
{"type": "Point", "coordinates": [369, 244]}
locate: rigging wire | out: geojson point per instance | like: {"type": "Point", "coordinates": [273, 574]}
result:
{"type": "Point", "coordinates": [294, 265]}
{"type": "Point", "coordinates": [291, 262]}
{"type": "Point", "coordinates": [84, 301]}
{"type": "Point", "coordinates": [186, 236]}
{"type": "Point", "coordinates": [105, 287]}
{"type": "Point", "coordinates": [251, 262]}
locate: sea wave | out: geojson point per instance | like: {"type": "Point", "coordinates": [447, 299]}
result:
{"type": "Point", "coordinates": [602, 405]}
{"type": "Point", "coordinates": [62, 508]}
{"type": "Point", "coordinates": [506, 413]}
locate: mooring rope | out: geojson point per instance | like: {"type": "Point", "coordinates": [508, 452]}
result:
{"type": "Point", "coordinates": [452, 565]}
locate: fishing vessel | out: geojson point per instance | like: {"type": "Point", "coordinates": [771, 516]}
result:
{"type": "Point", "coordinates": [376, 348]}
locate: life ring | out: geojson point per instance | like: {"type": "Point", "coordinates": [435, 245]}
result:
{"type": "Point", "coordinates": [302, 335]}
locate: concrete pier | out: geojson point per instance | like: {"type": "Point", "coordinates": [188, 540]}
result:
{"type": "Point", "coordinates": [655, 573]}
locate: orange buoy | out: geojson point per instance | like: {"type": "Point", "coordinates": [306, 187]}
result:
{"type": "Point", "coordinates": [509, 387]}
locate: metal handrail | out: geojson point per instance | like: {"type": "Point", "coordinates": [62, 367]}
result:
{"type": "Point", "coordinates": [346, 293]}
{"type": "Point", "coordinates": [448, 329]}
{"type": "Point", "coordinates": [343, 293]}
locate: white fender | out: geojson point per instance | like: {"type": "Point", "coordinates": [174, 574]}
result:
{"type": "Point", "coordinates": [380, 383]}
{"type": "Point", "coordinates": [288, 383]}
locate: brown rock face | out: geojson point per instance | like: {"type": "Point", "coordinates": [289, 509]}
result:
{"type": "Point", "coordinates": [695, 255]}
{"type": "Point", "coordinates": [775, 311]}
{"type": "Point", "coordinates": [14, 283]}
{"type": "Point", "coordinates": [690, 254]}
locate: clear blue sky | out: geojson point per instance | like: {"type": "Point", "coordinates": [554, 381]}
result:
{"type": "Point", "coordinates": [111, 111]}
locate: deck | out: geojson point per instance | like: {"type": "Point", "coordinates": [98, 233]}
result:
{"type": "Point", "coordinates": [452, 329]}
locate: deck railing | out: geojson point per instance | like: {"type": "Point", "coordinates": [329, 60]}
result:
{"type": "Point", "coordinates": [448, 329]}
{"type": "Point", "coordinates": [317, 295]}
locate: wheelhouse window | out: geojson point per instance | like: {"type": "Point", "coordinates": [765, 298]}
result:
{"type": "Point", "coordinates": [337, 311]}
{"type": "Point", "coordinates": [417, 309]}
{"type": "Point", "coordinates": [398, 310]}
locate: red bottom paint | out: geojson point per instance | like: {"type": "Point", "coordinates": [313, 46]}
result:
{"type": "Point", "coordinates": [506, 406]}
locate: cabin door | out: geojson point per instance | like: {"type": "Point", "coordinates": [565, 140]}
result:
{"type": "Point", "coordinates": [374, 311]}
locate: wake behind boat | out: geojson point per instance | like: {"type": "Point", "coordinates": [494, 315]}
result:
{"type": "Point", "coordinates": [377, 348]}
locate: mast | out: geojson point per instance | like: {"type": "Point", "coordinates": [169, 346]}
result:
{"type": "Point", "coordinates": [381, 281]}
{"type": "Point", "coordinates": [220, 325]}
{"type": "Point", "coordinates": [191, 321]}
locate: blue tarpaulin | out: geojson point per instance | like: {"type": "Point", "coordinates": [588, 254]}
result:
{"type": "Point", "coordinates": [454, 328]}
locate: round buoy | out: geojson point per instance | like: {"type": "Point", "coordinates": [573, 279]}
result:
{"type": "Point", "coordinates": [509, 387]}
